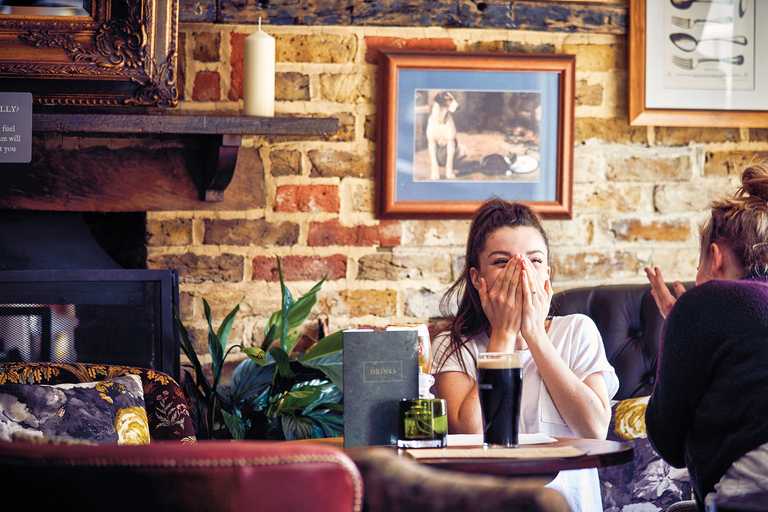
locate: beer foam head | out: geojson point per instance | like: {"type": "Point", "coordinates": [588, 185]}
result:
{"type": "Point", "coordinates": [499, 360]}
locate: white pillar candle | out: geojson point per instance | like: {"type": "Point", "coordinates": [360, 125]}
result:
{"type": "Point", "coordinates": [259, 74]}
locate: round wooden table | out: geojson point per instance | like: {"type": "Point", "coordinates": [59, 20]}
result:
{"type": "Point", "coordinates": [597, 453]}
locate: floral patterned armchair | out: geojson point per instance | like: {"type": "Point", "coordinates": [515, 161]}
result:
{"type": "Point", "coordinates": [166, 404]}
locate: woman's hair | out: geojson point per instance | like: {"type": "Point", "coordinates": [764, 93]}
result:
{"type": "Point", "coordinates": [470, 319]}
{"type": "Point", "coordinates": [741, 222]}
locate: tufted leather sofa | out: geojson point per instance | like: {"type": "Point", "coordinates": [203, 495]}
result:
{"type": "Point", "coordinates": [630, 324]}
{"type": "Point", "coordinates": [631, 327]}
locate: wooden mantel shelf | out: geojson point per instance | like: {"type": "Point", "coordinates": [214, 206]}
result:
{"type": "Point", "coordinates": [183, 123]}
{"type": "Point", "coordinates": [220, 135]}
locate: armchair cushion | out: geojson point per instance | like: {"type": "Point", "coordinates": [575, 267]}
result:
{"type": "Point", "coordinates": [166, 405]}
{"type": "Point", "coordinates": [107, 411]}
{"type": "Point", "coordinates": [647, 479]}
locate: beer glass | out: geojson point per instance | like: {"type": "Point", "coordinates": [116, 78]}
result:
{"type": "Point", "coordinates": [500, 385]}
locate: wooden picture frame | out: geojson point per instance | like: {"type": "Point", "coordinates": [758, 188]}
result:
{"type": "Point", "coordinates": [111, 53]}
{"type": "Point", "coordinates": [696, 46]}
{"type": "Point", "coordinates": [513, 133]}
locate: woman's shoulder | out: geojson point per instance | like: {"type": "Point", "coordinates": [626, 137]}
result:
{"type": "Point", "coordinates": [717, 299]}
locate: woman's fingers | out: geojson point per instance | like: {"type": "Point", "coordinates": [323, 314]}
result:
{"type": "Point", "coordinates": [660, 292]}
{"type": "Point", "coordinates": [526, 288]}
{"type": "Point", "coordinates": [514, 283]}
{"type": "Point", "coordinates": [482, 291]}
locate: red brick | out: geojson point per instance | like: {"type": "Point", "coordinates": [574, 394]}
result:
{"type": "Point", "coordinates": [386, 234]}
{"type": "Point", "coordinates": [207, 86]}
{"type": "Point", "coordinates": [237, 42]}
{"type": "Point", "coordinates": [374, 45]}
{"type": "Point", "coordinates": [307, 198]}
{"type": "Point", "coordinates": [300, 268]}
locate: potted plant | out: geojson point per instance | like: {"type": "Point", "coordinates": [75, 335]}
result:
{"type": "Point", "coordinates": [277, 392]}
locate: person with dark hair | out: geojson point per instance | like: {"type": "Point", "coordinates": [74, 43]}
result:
{"type": "Point", "coordinates": [502, 303]}
{"type": "Point", "coordinates": [708, 408]}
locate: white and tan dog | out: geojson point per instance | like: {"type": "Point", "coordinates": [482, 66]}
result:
{"type": "Point", "coordinates": [441, 133]}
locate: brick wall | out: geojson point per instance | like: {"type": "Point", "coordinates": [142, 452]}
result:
{"type": "Point", "coordinates": [639, 193]}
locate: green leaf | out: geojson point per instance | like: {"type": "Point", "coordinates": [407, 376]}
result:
{"type": "Point", "coordinates": [283, 362]}
{"type": "Point", "coordinates": [226, 327]}
{"type": "Point", "coordinates": [329, 394]}
{"type": "Point", "coordinates": [250, 381]}
{"type": "Point", "coordinates": [328, 345]}
{"type": "Point", "coordinates": [294, 401]}
{"type": "Point", "coordinates": [285, 305]}
{"type": "Point", "coordinates": [329, 422]}
{"type": "Point", "coordinates": [330, 365]}
{"type": "Point", "coordinates": [296, 427]}
{"type": "Point", "coordinates": [257, 355]}
{"type": "Point", "coordinates": [271, 330]}
{"type": "Point", "coordinates": [199, 405]}
{"type": "Point", "coordinates": [297, 313]}
{"type": "Point", "coordinates": [236, 424]}
{"type": "Point", "coordinates": [189, 350]}
{"type": "Point", "coordinates": [214, 345]}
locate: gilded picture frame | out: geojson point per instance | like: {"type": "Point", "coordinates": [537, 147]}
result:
{"type": "Point", "coordinates": [111, 53]}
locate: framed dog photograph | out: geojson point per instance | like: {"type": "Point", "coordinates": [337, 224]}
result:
{"type": "Point", "coordinates": [456, 129]}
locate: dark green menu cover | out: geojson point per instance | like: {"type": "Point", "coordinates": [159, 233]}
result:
{"type": "Point", "coordinates": [380, 369]}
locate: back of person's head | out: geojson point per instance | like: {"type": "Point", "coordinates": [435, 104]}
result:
{"type": "Point", "coordinates": [462, 296]}
{"type": "Point", "coordinates": [741, 222]}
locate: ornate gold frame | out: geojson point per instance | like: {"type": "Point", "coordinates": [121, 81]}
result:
{"type": "Point", "coordinates": [123, 54]}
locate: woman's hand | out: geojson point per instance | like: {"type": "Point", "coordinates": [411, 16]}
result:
{"type": "Point", "coordinates": [502, 304]}
{"type": "Point", "coordinates": [536, 300]}
{"type": "Point", "coordinates": [661, 294]}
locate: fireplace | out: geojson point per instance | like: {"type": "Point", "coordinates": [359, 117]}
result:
{"type": "Point", "coordinates": [65, 295]}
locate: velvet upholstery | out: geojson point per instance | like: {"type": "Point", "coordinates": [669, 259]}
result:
{"type": "Point", "coordinates": [165, 475]}
{"type": "Point", "coordinates": [394, 483]}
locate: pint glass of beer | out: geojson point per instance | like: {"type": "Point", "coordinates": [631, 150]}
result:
{"type": "Point", "coordinates": [500, 385]}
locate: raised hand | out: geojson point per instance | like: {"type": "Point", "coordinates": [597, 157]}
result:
{"type": "Point", "coordinates": [665, 299]}
{"type": "Point", "coordinates": [536, 301]}
{"type": "Point", "coordinates": [501, 302]}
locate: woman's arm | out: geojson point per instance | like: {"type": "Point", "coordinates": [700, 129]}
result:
{"type": "Point", "coordinates": [584, 405]}
{"type": "Point", "coordinates": [460, 392]}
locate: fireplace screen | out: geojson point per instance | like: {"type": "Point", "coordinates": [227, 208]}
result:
{"type": "Point", "coordinates": [94, 316]}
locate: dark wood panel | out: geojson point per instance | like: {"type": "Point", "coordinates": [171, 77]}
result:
{"type": "Point", "coordinates": [183, 123]}
{"type": "Point", "coordinates": [595, 16]}
{"type": "Point", "coordinates": [289, 12]}
{"type": "Point", "coordinates": [136, 175]}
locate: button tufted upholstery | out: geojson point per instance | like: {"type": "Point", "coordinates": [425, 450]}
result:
{"type": "Point", "coordinates": [630, 324]}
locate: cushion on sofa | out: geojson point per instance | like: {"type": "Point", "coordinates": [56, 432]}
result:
{"type": "Point", "coordinates": [108, 411]}
{"type": "Point", "coordinates": [166, 405]}
{"type": "Point", "coordinates": [647, 483]}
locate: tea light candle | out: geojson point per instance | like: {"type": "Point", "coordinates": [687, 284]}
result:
{"type": "Point", "coordinates": [259, 74]}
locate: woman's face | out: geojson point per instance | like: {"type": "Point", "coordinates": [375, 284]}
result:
{"type": "Point", "coordinates": [506, 242]}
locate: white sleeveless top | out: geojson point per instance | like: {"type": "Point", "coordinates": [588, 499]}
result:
{"type": "Point", "coordinates": [578, 342]}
